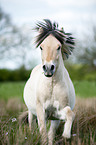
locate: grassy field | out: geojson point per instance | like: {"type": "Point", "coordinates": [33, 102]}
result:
{"type": "Point", "coordinates": [11, 89]}
{"type": "Point", "coordinates": [12, 105]}
{"type": "Point", "coordinates": [85, 89]}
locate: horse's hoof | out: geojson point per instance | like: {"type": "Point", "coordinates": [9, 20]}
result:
{"type": "Point", "coordinates": [66, 135]}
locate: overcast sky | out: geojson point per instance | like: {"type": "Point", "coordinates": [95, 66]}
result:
{"type": "Point", "coordinates": [76, 16]}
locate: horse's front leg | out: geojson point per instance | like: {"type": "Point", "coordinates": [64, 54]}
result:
{"type": "Point", "coordinates": [41, 123]}
{"type": "Point", "coordinates": [67, 115]}
{"type": "Point", "coordinates": [30, 117]}
{"type": "Point", "coordinates": [52, 131]}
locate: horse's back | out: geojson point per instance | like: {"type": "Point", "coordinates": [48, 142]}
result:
{"type": "Point", "coordinates": [30, 90]}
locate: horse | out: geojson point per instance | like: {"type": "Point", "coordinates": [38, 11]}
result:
{"type": "Point", "coordinates": [49, 92]}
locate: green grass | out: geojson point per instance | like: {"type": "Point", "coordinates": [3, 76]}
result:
{"type": "Point", "coordinates": [84, 89]}
{"type": "Point", "coordinates": [11, 89]}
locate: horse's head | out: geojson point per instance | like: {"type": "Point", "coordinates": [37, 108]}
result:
{"type": "Point", "coordinates": [53, 42]}
{"type": "Point", "coordinates": [50, 53]}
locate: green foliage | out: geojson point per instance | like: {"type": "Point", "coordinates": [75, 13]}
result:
{"type": "Point", "coordinates": [77, 72]}
{"type": "Point", "coordinates": [14, 75]}
{"type": "Point", "coordinates": [81, 72]}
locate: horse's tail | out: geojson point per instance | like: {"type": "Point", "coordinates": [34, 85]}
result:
{"type": "Point", "coordinates": [23, 117]}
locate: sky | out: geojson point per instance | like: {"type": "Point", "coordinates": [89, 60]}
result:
{"type": "Point", "coordinates": [76, 16]}
{"type": "Point", "coordinates": [72, 14]}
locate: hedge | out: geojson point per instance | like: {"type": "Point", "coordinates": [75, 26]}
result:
{"type": "Point", "coordinates": [76, 72]}
{"type": "Point", "coordinates": [14, 75]}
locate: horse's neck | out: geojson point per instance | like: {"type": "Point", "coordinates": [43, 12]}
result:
{"type": "Point", "coordinates": [59, 75]}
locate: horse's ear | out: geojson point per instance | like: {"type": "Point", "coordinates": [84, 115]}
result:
{"type": "Point", "coordinates": [40, 30]}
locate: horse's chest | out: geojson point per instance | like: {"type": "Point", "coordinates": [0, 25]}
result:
{"type": "Point", "coordinates": [52, 94]}
{"type": "Point", "coordinates": [55, 96]}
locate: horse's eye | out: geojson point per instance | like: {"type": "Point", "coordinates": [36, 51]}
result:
{"type": "Point", "coordinates": [58, 48]}
{"type": "Point", "coordinates": [41, 48]}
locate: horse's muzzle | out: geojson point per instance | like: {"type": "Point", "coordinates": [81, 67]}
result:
{"type": "Point", "coordinates": [48, 70]}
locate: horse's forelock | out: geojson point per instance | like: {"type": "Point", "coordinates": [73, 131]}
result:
{"type": "Point", "coordinates": [47, 28]}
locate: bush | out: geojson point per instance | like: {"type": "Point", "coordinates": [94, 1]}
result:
{"type": "Point", "coordinates": [14, 75]}
{"type": "Point", "coordinates": [81, 72]}
{"type": "Point", "coordinates": [77, 72]}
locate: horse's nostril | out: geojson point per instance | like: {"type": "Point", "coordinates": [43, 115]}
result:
{"type": "Point", "coordinates": [44, 67]}
{"type": "Point", "coordinates": [52, 67]}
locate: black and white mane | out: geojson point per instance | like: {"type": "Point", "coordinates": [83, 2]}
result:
{"type": "Point", "coordinates": [46, 28]}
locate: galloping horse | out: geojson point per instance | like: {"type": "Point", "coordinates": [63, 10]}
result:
{"type": "Point", "coordinates": [49, 93]}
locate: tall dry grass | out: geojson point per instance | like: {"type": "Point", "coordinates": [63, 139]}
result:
{"type": "Point", "coordinates": [13, 133]}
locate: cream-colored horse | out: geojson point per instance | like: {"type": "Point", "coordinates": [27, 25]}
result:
{"type": "Point", "coordinates": [49, 93]}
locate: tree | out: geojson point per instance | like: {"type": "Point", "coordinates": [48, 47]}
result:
{"type": "Point", "coordinates": [7, 29]}
{"type": "Point", "coordinates": [87, 50]}
{"type": "Point", "coordinates": [14, 41]}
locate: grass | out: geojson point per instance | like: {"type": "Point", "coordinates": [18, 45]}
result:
{"type": "Point", "coordinates": [11, 89]}
{"type": "Point", "coordinates": [85, 89]}
{"type": "Point", "coordinates": [83, 129]}
{"type": "Point", "coordinates": [11, 106]}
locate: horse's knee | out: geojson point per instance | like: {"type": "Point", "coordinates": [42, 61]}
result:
{"type": "Point", "coordinates": [69, 113]}
{"type": "Point", "coordinates": [69, 119]}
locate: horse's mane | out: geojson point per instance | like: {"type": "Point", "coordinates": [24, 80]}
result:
{"type": "Point", "coordinates": [46, 28]}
